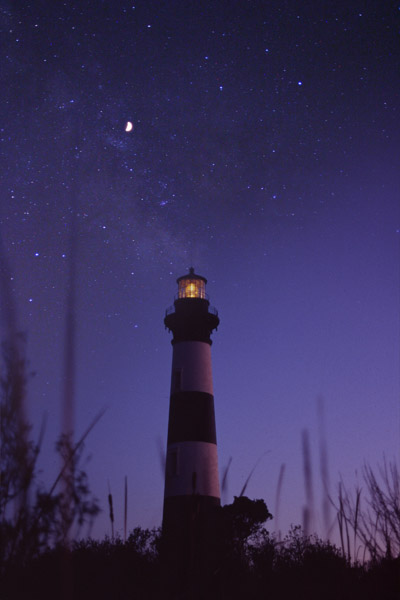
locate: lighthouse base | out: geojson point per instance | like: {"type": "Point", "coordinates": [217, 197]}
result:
{"type": "Point", "coordinates": [188, 542]}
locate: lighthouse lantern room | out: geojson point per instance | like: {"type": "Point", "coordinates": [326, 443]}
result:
{"type": "Point", "coordinates": [191, 285]}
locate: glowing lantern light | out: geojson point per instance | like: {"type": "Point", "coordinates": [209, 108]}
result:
{"type": "Point", "coordinates": [192, 286]}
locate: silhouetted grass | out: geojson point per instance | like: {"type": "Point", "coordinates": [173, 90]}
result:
{"type": "Point", "coordinates": [125, 507]}
{"type": "Point", "coordinates": [324, 469]}
{"type": "Point", "coordinates": [278, 499]}
{"type": "Point", "coordinates": [111, 511]}
{"type": "Point", "coordinates": [308, 509]}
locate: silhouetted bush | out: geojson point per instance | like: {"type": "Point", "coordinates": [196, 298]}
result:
{"type": "Point", "coordinates": [305, 568]}
{"type": "Point", "coordinates": [96, 569]}
{"type": "Point", "coordinates": [33, 518]}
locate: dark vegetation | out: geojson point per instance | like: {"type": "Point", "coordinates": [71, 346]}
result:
{"type": "Point", "coordinates": [40, 556]}
{"type": "Point", "coordinates": [32, 518]}
{"type": "Point", "coordinates": [244, 560]}
{"type": "Point", "coordinates": [257, 567]}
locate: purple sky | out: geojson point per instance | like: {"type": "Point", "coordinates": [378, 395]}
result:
{"type": "Point", "coordinates": [265, 152]}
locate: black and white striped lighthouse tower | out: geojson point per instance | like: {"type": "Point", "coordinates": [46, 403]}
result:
{"type": "Point", "coordinates": [191, 481]}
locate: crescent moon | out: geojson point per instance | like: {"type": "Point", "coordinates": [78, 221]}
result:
{"type": "Point", "coordinates": [128, 126]}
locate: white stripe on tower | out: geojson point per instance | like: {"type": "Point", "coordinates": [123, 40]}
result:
{"type": "Point", "coordinates": [193, 457]}
{"type": "Point", "coordinates": [191, 362]}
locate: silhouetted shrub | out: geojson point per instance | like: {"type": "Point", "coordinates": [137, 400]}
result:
{"type": "Point", "coordinates": [33, 518]}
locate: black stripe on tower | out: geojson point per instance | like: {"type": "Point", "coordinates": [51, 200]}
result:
{"type": "Point", "coordinates": [191, 321]}
{"type": "Point", "coordinates": [191, 418]}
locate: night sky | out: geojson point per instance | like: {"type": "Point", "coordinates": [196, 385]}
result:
{"type": "Point", "coordinates": [265, 153]}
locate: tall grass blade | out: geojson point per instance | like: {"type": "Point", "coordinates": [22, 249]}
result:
{"type": "Point", "coordinates": [308, 511]}
{"type": "Point", "coordinates": [69, 374]}
{"type": "Point", "coordinates": [111, 511]}
{"type": "Point", "coordinates": [224, 481]}
{"type": "Point", "coordinates": [278, 499]}
{"type": "Point", "coordinates": [355, 520]}
{"type": "Point", "coordinates": [246, 483]}
{"type": "Point", "coordinates": [340, 517]}
{"type": "Point", "coordinates": [75, 449]}
{"type": "Point", "coordinates": [14, 343]}
{"type": "Point", "coordinates": [125, 506]}
{"type": "Point", "coordinates": [324, 470]}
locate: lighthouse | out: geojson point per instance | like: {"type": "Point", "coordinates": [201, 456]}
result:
{"type": "Point", "coordinates": [192, 490]}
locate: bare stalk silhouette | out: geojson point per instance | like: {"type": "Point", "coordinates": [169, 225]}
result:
{"type": "Point", "coordinates": [324, 468]}
{"type": "Point", "coordinates": [308, 510]}
{"type": "Point", "coordinates": [125, 506]}
{"type": "Point", "coordinates": [14, 385]}
{"type": "Point", "coordinates": [224, 481]}
{"type": "Point", "coordinates": [111, 511]}
{"type": "Point", "coordinates": [376, 524]}
{"type": "Point", "coordinates": [246, 483]}
{"type": "Point", "coordinates": [69, 375]}
{"type": "Point", "coordinates": [278, 499]}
